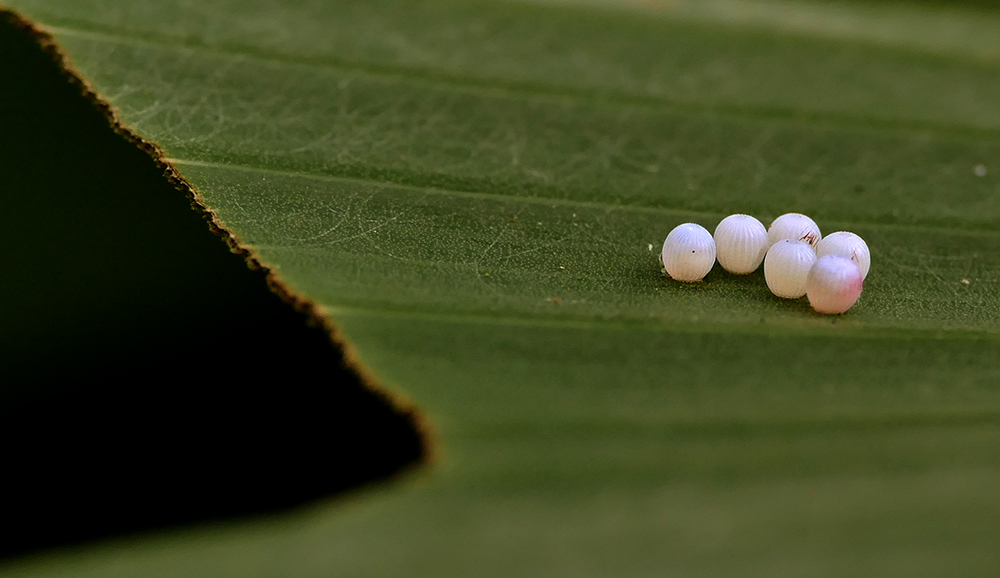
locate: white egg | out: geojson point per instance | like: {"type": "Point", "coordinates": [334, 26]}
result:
{"type": "Point", "coordinates": [786, 267]}
{"type": "Point", "coordinates": [688, 253]}
{"type": "Point", "coordinates": [847, 245]}
{"type": "Point", "coordinates": [795, 226]}
{"type": "Point", "coordinates": [740, 241]}
{"type": "Point", "coordinates": [834, 284]}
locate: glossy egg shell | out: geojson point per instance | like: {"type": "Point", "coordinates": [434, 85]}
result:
{"type": "Point", "coordinates": [688, 252]}
{"type": "Point", "coordinates": [740, 243]}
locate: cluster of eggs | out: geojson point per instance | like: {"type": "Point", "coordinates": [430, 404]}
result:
{"type": "Point", "coordinates": [797, 259]}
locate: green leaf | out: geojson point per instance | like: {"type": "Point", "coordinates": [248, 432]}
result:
{"type": "Point", "coordinates": [475, 194]}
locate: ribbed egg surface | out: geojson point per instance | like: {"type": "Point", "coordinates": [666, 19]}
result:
{"type": "Point", "coordinates": [786, 267]}
{"type": "Point", "coordinates": [847, 245]}
{"type": "Point", "coordinates": [688, 253]}
{"type": "Point", "coordinates": [740, 241]}
{"type": "Point", "coordinates": [795, 226]}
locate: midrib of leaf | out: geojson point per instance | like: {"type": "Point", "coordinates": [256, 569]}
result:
{"type": "Point", "coordinates": [935, 27]}
{"type": "Point", "coordinates": [473, 194]}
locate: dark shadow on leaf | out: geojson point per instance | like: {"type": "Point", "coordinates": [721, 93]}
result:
{"type": "Point", "coordinates": [148, 378]}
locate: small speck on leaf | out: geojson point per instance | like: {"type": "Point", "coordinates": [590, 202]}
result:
{"type": "Point", "coordinates": [980, 170]}
{"type": "Point", "coordinates": [966, 282]}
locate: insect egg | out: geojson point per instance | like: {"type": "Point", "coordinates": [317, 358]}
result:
{"type": "Point", "coordinates": [834, 284]}
{"type": "Point", "coordinates": [741, 242]}
{"type": "Point", "coordinates": [795, 226]}
{"type": "Point", "coordinates": [688, 253]}
{"type": "Point", "coordinates": [786, 267]}
{"type": "Point", "coordinates": [847, 245]}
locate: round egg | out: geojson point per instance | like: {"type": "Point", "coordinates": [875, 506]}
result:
{"type": "Point", "coordinates": [688, 253]}
{"type": "Point", "coordinates": [795, 226]}
{"type": "Point", "coordinates": [847, 245]}
{"type": "Point", "coordinates": [740, 243]}
{"type": "Point", "coordinates": [834, 284]}
{"type": "Point", "coordinates": [786, 267]}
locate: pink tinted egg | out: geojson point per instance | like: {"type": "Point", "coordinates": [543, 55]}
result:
{"type": "Point", "coordinates": [834, 284]}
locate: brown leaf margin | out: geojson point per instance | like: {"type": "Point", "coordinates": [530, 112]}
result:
{"type": "Point", "coordinates": [430, 448]}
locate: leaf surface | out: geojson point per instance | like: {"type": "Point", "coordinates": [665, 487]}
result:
{"type": "Point", "coordinates": [476, 193]}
